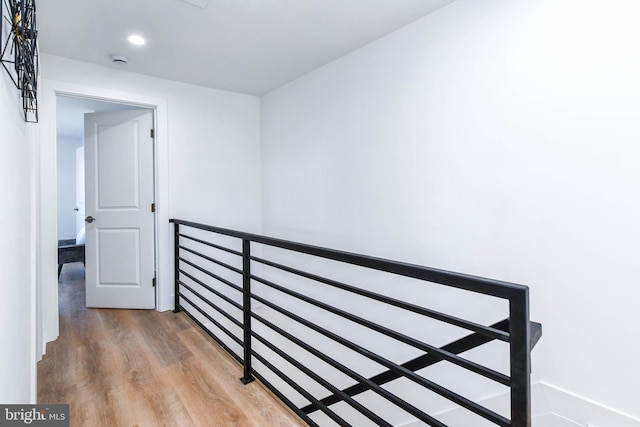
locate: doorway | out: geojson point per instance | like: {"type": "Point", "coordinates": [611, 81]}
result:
{"type": "Point", "coordinates": [44, 190]}
{"type": "Point", "coordinates": [111, 250]}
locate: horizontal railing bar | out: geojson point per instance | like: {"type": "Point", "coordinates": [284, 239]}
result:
{"type": "Point", "coordinates": [210, 289]}
{"type": "Point", "coordinates": [210, 274]}
{"type": "Point", "coordinates": [452, 358]}
{"type": "Point", "coordinates": [457, 280]}
{"type": "Point", "coordinates": [484, 330]}
{"type": "Point", "coordinates": [212, 305]}
{"type": "Point", "coordinates": [515, 335]}
{"type": "Point", "coordinates": [335, 417]}
{"type": "Point", "coordinates": [436, 388]}
{"type": "Point", "coordinates": [212, 320]}
{"type": "Point", "coordinates": [349, 372]}
{"type": "Point", "coordinates": [284, 399]}
{"type": "Point", "coordinates": [208, 258]}
{"type": "Point", "coordinates": [459, 346]}
{"type": "Point", "coordinates": [213, 336]}
{"type": "Point", "coordinates": [326, 384]}
{"type": "Point", "coordinates": [213, 245]}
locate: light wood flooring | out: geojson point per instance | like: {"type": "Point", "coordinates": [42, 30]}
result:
{"type": "Point", "coordinates": [145, 368]}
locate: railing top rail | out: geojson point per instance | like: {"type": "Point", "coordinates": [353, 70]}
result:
{"type": "Point", "coordinates": [467, 282]}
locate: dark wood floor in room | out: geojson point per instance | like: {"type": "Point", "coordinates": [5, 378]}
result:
{"type": "Point", "coordinates": [145, 368]}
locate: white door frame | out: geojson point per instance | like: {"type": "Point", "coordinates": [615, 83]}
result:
{"type": "Point", "coordinates": [46, 182]}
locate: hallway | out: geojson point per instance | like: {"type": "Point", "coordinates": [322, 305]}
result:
{"type": "Point", "coordinates": [145, 368]}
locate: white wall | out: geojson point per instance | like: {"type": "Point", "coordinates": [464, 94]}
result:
{"type": "Point", "coordinates": [497, 138]}
{"type": "Point", "coordinates": [66, 167]}
{"type": "Point", "coordinates": [213, 162]}
{"type": "Point", "coordinates": [17, 283]}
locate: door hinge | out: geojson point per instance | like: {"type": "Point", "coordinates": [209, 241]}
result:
{"type": "Point", "coordinates": [153, 282]}
{"type": "Point", "coordinates": [153, 207]}
{"type": "Point", "coordinates": [153, 133]}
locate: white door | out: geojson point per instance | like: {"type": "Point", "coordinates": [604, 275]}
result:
{"type": "Point", "coordinates": [118, 199]}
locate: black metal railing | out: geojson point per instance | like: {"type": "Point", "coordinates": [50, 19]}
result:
{"type": "Point", "coordinates": [309, 336]}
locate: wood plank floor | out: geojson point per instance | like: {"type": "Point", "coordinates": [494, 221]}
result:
{"type": "Point", "coordinates": [145, 368]}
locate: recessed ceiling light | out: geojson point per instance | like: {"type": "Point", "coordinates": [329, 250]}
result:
{"type": "Point", "coordinates": [137, 40]}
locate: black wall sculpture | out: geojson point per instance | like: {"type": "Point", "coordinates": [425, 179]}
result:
{"type": "Point", "coordinates": [19, 51]}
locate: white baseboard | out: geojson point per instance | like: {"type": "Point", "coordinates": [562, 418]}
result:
{"type": "Point", "coordinates": [550, 407]}
{"type": "Point", "coordinates": [583, 411]}
{"type": "Point", "coordinates": [552, 420]}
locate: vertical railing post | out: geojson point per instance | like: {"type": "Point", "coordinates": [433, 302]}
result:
{"type": "Point", "coordinates": [520, 359]}
{"type": "Point", "coordinates": [246, 310]}
{"type": "Point", "coordinates": [176, 267]}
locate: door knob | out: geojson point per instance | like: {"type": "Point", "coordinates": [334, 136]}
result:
{"type": "Point", "coordinates": [89, 219]}
{"type": "Point", "coordinates": [76, 209]}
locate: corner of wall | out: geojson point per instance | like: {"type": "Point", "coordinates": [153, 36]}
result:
{"type": "Point", "coordinates": [551, 407]}
{"type": "Point", "coordinates": [583, 411]}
